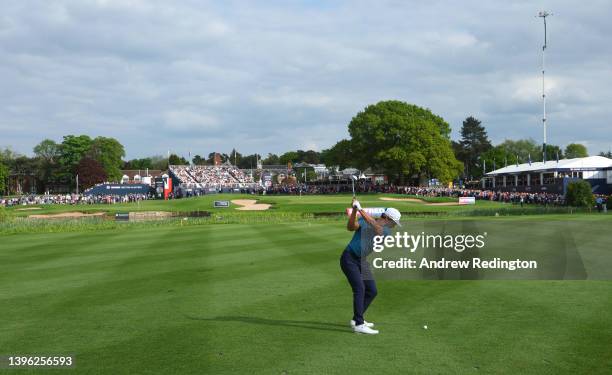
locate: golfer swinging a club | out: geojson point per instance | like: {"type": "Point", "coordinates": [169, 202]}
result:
{"type": "Point", "coordinates": [353, 260]}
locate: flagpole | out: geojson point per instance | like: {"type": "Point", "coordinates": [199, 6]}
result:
{"type": "Point", "coordinates": [543, 15]}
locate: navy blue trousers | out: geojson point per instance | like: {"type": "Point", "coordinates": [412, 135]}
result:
{"type": "Point", "coordinates": [363, 285]}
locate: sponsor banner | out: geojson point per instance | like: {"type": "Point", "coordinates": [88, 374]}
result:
{"type": "Point", "coordinates": [118, 189]}
{"type": "Point", "coordinates": [122, 216]}
{"type": "Point", "coordinates": [221, 204]}
{"type": "Point", "coordinates": [467, 200]}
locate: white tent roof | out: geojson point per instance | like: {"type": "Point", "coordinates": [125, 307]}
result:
{"type": "Point", "coordinates": [588, 163]}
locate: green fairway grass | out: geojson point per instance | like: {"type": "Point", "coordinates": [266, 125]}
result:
{"type": "Point", "coordinates": [270, 298]}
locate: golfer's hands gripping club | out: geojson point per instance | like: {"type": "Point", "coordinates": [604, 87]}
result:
{"type": "Point", "coordinates": [356, 205]}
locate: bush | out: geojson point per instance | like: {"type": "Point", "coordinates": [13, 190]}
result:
{"type": "Point", "coordinates": [579, 194]}
{"type": "Point", "coordinates": [4, 215]}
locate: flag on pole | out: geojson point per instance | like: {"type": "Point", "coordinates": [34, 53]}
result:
{"type": "Point", "coordinates": [484, 166]}
{"type": "Point", "coordinates": [517, 160]}
{"type": "Point", "coordinates": [530, 158]}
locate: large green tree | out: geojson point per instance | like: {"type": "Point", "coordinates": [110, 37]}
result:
{"type": "Point", "coordinates": [523, 149]}
{"type": "Point", "coordinates": [406, 141]}
{"type": "Point", "coordinates": [143, 163]}
{"type": "Point", "coordinates": [109, 153]}
{"type": "Point", "coordinates": [575, 150]}
{"type": "Point", "coordinates": [48, 154]}
{"type": "Point", "coordinates": [473, 144]}
{"type": "Point", "coordinates": [339, 155]}
{"type": "Point", "coordinates": [552, 151]}
{"type": "Point", "coordinates": [271, 159]}
{"type": "Point", "coordinates": [198, 160]}
{"type": "Point", "coordinates": [174, 159]}
{"type": "Point", "coordinates": [310, 157]}
{"type": "Point", "coordinates": [300, 156]}
{"type": "Point", "coordinates": [72, 149]}
{"type": "Point", "coordinates": [48, 150]}
{"type": "Point", "coordinates": [159, 162]}
{"type": "Point", "coordinates": [248, 161]}
{"type": "Point", "coordinates": [7, 154]}
{"type": "Point", "coordinates": [289, 156]}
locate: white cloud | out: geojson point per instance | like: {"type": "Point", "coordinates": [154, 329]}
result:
{"type": "Point", "coordinates": [188, 120]}
{"type": "Point", "coordinates": [289, 98]}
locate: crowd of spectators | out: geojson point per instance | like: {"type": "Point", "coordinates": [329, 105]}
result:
{"type": "Point", "coordinates": [542, 198]}
{"type": "Point", "coordinates": [211, 176]}
{"type": "Point", "coordinates": [491, 195]}
{"type": "Point", "coordinates": [297, 189]}
{"type": "Point", "coordinates": [72, 199]}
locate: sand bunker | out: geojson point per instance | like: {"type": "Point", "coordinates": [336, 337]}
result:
{"type": "Point", "coordinates": [65, 215]}
{"type": "Point", "coordinates": [417, 200]}
{"type": "Point", "coordinates": [250, 205]}
{"type": "Point", "coordinates": [28, 209]}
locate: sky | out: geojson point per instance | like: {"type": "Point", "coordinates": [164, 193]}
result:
{"type": "Point", "coordinates": [272, 76]}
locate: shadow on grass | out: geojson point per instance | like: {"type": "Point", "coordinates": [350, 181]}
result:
{"type": "Point", "coordinates": [321, 326]}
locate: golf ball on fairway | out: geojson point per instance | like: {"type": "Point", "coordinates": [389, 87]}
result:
{"type": "Point", "coordinates": [424, 327]}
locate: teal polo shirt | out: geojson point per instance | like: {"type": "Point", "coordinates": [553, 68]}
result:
{"type": "Point", "coordinates": [363, 239]}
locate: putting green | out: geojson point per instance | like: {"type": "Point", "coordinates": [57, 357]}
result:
{"type": "Point", "coordinates": [271, 299]}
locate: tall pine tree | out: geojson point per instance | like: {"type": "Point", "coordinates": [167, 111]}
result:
{"type": "Point", "coordinates": [474, 142]}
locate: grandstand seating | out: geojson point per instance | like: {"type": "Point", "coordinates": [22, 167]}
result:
{"type": "Point", "coordinates": [225, 175]}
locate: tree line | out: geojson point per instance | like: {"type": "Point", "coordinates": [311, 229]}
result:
{"type": "Point", "coordinates": [407, 143]}
{"type": "Point", "coordinates": [54, 164]}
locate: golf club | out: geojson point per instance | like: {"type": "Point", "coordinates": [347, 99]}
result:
{"type": "Point", "coordinates": [353, 179]}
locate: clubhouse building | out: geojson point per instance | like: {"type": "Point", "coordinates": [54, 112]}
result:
{"type": "Point", "coordinates": [552, 176]}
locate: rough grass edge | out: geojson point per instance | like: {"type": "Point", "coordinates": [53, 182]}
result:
{"type": "Point", "coordinates": [23, 225]}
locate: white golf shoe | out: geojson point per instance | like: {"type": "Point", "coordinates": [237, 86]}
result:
{"type": "Point", "coordinates": [365, 330]}
{"type": "Point", "coordinates": [368, 324]}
